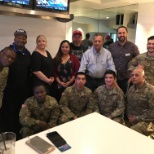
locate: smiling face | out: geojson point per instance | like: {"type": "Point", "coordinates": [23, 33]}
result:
{"type": "Point", "coordinates": [65, 48]}
{"type": "Point", "coordinates": [41, 42]}
{"type": "Point", "coordinates": [122, 34]}
{"type": "Point", "coordinates": [150, 46]}
{"type": "Point", "coordinates": [109, 80]}
{"type": "Point", "coordinates": [20, 40]}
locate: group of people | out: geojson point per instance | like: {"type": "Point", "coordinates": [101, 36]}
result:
{"type": "Point", "coordinates": [42, 92]}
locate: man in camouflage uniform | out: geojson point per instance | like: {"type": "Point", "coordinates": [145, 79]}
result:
{"type": "Point", "coordinates": [140, 103]}
{"type": "Point", "coordinates": [77, 100]}
{"type": "Point", "coordinates": [39, 112]}
{"type": "Point", "coordinates": [7, 57]}
{"type": "Point", "coordinates": [145, 61]}
{"type": "Point", "coordinates": [110, 98]}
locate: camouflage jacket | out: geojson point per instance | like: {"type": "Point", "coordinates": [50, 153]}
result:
{"type": "Point", "coordinates": [147, 62]}
{"type": "Point", "coordinates": [110, 101]}
{"type": "Point", "coordinates": [3, 81]}
{"type": "Point", "coordinates": [31, 112]}
{"type": "Point", "coordinates": [140, 102]}
{"type": "Point", "coordinates": [77, 103]}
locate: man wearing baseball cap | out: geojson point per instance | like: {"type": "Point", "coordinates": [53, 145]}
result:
{"type": "Point", "coordinates": [17, 87]}
{"type": "Point", "coordinates": [20, 32]}
{"type": "Point", "coordinates": [77, 48]}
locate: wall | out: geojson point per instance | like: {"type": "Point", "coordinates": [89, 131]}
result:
{"type": "Point", "coordinates": [131, 34]}
{"type": "Point", "coordinates": [145, 25]}
{"type": "Point", "coordinates": [93, 25]}
{"type": "Point", "coordinates": [54, 31]}
{"type": "Point", "coordinates": [102, 26]}
{"type": "Point", "coordinates": [131, 31]}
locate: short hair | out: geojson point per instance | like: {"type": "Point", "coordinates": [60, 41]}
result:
{"type": "Point", "coordinates": [98, 34]}
{"type": "Point", "coordinates": [80, 73]}
{"type": "Point", "coordinates": [122, 27]}
{"type": "Point", "coordinates": [140, 69]}
{"type": "Point", "coordinates": [7, 48]}
{"type": "Point", "coordinates": [38, 85]}
{"type": "Point", "coordinates": [151, 38]}
{"type": "Point", "coordinates": [110, 72]}
{"type": "Point", "coordinates": [87, 35]}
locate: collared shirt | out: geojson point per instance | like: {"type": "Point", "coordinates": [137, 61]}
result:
{"type": "Point", "coordinates": [95, 63]}
{"type": "Point", "coordinates": [148, 64]}
{"type": "Point", "coordinates": [122, 55]}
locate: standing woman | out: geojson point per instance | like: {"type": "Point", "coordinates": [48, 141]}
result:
{"type": "Point", "coordinates": [42, 65]}
{"type": "Point", "coordinates": [66, 66]}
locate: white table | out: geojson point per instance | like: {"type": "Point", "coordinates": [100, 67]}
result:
{"type": "Point", "coordinates": [95, 134]}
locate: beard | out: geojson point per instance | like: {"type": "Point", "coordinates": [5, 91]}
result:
{"type": "Point", "coordinates": [122, 38]}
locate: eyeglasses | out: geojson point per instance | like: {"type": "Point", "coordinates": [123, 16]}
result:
{"type": "Point", "coordinates": [136, 75]}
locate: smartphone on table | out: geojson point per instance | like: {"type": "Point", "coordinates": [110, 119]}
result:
{"type": "Point", "coordinates": [58, 141]}
{"type": "Point", "coordinates": [40, 145]}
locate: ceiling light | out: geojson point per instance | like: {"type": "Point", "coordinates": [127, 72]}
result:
{"type": "Point", "coordinates": [107, 17]}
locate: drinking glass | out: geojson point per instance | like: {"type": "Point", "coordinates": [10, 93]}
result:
{"type": "Point", "coordinates": [7, 143]}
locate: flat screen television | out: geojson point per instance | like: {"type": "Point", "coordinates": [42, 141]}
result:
{"type": "Point", "coordinates": [18, 3]}
{"type": "Point", "coordinates": [60, 6]}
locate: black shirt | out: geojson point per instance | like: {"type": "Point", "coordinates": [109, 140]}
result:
{"type": "Point", "coordinates": [77, 50]}
{"type": "Point", "coordinates": [43, 64]}
{"type": "Point", "coordinates": [19, 71]}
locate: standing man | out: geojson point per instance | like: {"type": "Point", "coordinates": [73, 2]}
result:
{"type": "Point", "coordinates": [95, 62]}
{"type": "Point", "coordinates": [77, 100]}
{"type": "Point", "coordinates": [86, 42]}
{"type": "Point", "coordinates": [7, 57]}
{"type": "Point", "coordinates": [140, 103]}
{"type": "Point", "coordinates": [76, 47]}
{"type": "Point", "coordinates": [17, 87]}
{"type": "Point", "coordinates": [39, 112]}
{"type": "Point", "coordinates": [123, 52]}
{"type": "Point", "coordinates": [110, 98]}
{"type": "Point", "coordinates": [145, 61]}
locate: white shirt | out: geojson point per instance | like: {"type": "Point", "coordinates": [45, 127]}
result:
{"type": "Point", "coordinates": [95, 63]}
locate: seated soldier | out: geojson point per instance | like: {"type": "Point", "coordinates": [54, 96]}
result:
{"type": "Point", "coordinates": [140, 103]}
{"type": "Point", "coordinates": [110, 98]}
{"type": "Point", "coordinates": [39, 112]}
{"type": "Point", "coordinates": [76, 100]}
